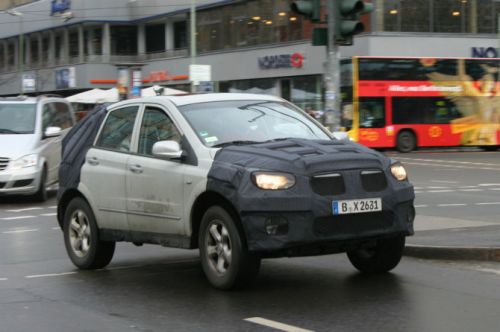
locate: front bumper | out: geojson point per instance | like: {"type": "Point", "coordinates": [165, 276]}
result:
{"type": "Point", "coordinates": [24, 181]}
{"type": "Point", "coordinates": [315, 230]}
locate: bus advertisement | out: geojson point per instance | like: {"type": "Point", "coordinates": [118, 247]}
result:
{"type": "Point", "coordinates": [421, 102]}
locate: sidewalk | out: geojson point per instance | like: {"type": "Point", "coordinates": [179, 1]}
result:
{"type": "Point", "coordinates": [446, 238]}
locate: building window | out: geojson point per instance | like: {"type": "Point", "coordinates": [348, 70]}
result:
{"type": "Point", "coordinates": [34, 50]}
{"type": "Point", "coordinates": [11, 54]}
{"type": "Point", "coordinates": [59, 47]}
{"type": "Point", "coordinates": [97, 40]}
{"type": "Point", "coordinates": [124, 40]}
{"type": "Point", "coordinates": [73, 44]}
{"type": "Point", "coordinates": [180, 35]}
{"type": "Point", "coordinates": [2, 58]}
{"type": "Point", "coordinates": [155, 38]}
{"type": "Point", "coordinates": [45, 49]}
{"type": "Point", "coordinates": [256, 22]}
{"type": "Point", "coordinates": [266, 86]}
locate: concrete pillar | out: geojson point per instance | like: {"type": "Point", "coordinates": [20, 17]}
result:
{"type": "Point", "coordinates": [106, 43]}
{"type": "Point", "coordinates": [81, 47]}
{"type": "Point", "coordinates": [169, 35]}
{"type": "Point", "coordinates": [141, 39]}
{"type": "Point", "coordinates": [379, 15]}
{"type": "Point", "coordinates": [472, 28]}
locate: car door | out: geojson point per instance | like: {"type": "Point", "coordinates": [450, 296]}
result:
{"type": "Point", "coordinates": [62, 117]}
{"type": "Point", "coordinates": [105, 168]}
{"type": "Point", "coordinates": [51, 146]}
{"type": "Point", "coordinates": [155, 186]}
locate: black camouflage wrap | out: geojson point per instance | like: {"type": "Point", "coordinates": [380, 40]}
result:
{"type": "Point", "coordinates": [309, 215]}
{"type": "Point", "coordinates": [74, 149]}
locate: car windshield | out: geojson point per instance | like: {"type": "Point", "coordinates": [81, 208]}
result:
{"type": "Point", "coordinates": [16, 118]}
{"type": "Point", "coordinates": [232, 122]}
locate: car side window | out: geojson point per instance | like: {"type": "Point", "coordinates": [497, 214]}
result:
{"type": "Point", "coordinates": [62, 117]}
{"type": "Point", "coordinates": [47, 116]}
{"type": "Point", "coordinates": [156, 126]}
{"type": "Point", "coordinates": [56, 115]}
{"type": "Point", "coordinates": [116, 134]}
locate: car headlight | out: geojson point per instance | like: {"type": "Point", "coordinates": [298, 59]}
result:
{"type": "Point", "coordinates": [273, 181]}
{"type": "Point", "coordinates": [399, 172]}
{"type": "Point", "coordinates": [30, 160]}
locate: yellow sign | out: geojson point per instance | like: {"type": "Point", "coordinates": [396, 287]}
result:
{"type": "Point", "coordinates": [435, 132]}
{"type": "Point", "coordinates": [371, 136]}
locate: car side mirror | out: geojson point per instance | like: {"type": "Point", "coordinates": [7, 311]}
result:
{"type": "Point", "coordinates": [52, 132]}
{"type": "Point", "coordinates": [167, 149]}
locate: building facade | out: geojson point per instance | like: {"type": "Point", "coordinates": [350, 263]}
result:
{"type": "Point", "coordinates": [256, 46]}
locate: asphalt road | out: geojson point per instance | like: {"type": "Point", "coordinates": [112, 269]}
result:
{"type": "Point", "coordinates": [157, 289]}
{"type": "Point", "coordinates": [461, 186]}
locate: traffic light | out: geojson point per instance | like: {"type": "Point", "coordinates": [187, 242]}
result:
{"type": "Point", "coordinates": [347, 22]}
{"type": "Point", "coordinates": [310, 9]}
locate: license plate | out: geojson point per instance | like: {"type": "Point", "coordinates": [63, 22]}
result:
{"type": "Point", "coordinates": [357, 206]}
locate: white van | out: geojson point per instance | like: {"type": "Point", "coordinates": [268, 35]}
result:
{"type": "Point", "coordinates": [31, 130]}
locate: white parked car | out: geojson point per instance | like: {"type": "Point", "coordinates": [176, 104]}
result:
{"type": "Point", "coordinates": [31, 130]}
{"type": "Point", "coordinates": [241, 177]}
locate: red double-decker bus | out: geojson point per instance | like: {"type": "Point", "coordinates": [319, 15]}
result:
{"type": "Point", "coordinates": [421, 102]}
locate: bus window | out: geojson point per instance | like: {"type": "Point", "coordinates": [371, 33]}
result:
{"type": "Point", "coordinates": [371, 113]}
{"type": "Point", "coordinates": [423, 110]}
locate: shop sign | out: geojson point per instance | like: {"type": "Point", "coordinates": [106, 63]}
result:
{"type": "Point", "coordinates": [200, 73]}
{"type": "Point", "coordinates": [294, 60]}
{"type": "Point", "coordinates": [158, 76]}
{"type": "Point", "coordinates": [484, 52]}
{"type": "Point", "coordinates": [65, 78]}
{"type": "Point", "coordinates": [29, 83]}
{"type": "Point", "coordinates": [59, 6]}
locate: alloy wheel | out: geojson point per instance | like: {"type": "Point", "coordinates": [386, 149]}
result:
{"type": "Point", "coordinates": [218, 247]}
{"type": "Point", "coordinates": [79, 233]}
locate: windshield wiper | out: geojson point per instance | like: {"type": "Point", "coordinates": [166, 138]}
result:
{"type": "Point", "coordinates": [238, 142]}
{"type": "Point", "coordinates": [8, 131]}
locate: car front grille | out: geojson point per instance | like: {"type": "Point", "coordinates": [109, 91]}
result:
{"type": "Point", "coordinates": [328, 184]}
{"type": "Point", "coordinates": [331, 184]}
{"type": "Point", "coordinates": [353, 224]}
{"type": "Point", "coordinates": [4, 162]}
{"type": "Point", "coordinates": [2, 184]}
{"type": "Point", "coordinates": [373, 180]}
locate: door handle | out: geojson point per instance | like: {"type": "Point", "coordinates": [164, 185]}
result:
{"type": "Point", "coordinates": [93, 161]}
{"type": "Point", "coordinates": [136, 169]}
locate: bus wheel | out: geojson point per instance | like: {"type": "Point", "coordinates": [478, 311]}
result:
{"type": "Point", "coordinates": [406, 141]}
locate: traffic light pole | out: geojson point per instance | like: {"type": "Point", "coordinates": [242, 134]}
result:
{"type": "Point", "coordinates": [332, 74]}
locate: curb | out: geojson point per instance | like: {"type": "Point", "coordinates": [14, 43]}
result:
{"type": "Point", "coordinates": [488, 254]}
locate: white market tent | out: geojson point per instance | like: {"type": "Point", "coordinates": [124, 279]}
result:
{"type": "Point", "coordinates": [95, 96]}
{"type": "Point", "coordinates": [149, 92]}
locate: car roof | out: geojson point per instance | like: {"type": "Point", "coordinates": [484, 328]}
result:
{"type": "Point", "coordinates": [181, 100]}
{"type": "Point", "coordinates": [30, 100]}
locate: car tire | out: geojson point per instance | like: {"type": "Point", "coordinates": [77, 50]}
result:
{"type": "Point", "coordinates": [406, 141]}
{"type": "Point", "coordinates": [81, 237]}
{"type": "Point", "coordinates": [382, 257]}
{"type": "Point", "coordinates": [225, 259]}
{"type": "Point", "coordinates": [41, 193]}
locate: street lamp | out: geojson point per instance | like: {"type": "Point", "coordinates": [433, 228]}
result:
{"type": "Point", "coordinates": [193, 38]}
{"type": "Point", "coordinates": [13, 12]}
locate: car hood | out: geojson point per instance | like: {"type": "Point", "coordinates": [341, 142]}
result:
{"type": "Point", "coordinates": [16, 146]}
{"type": "Point", "coordinates": [299, 156]}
